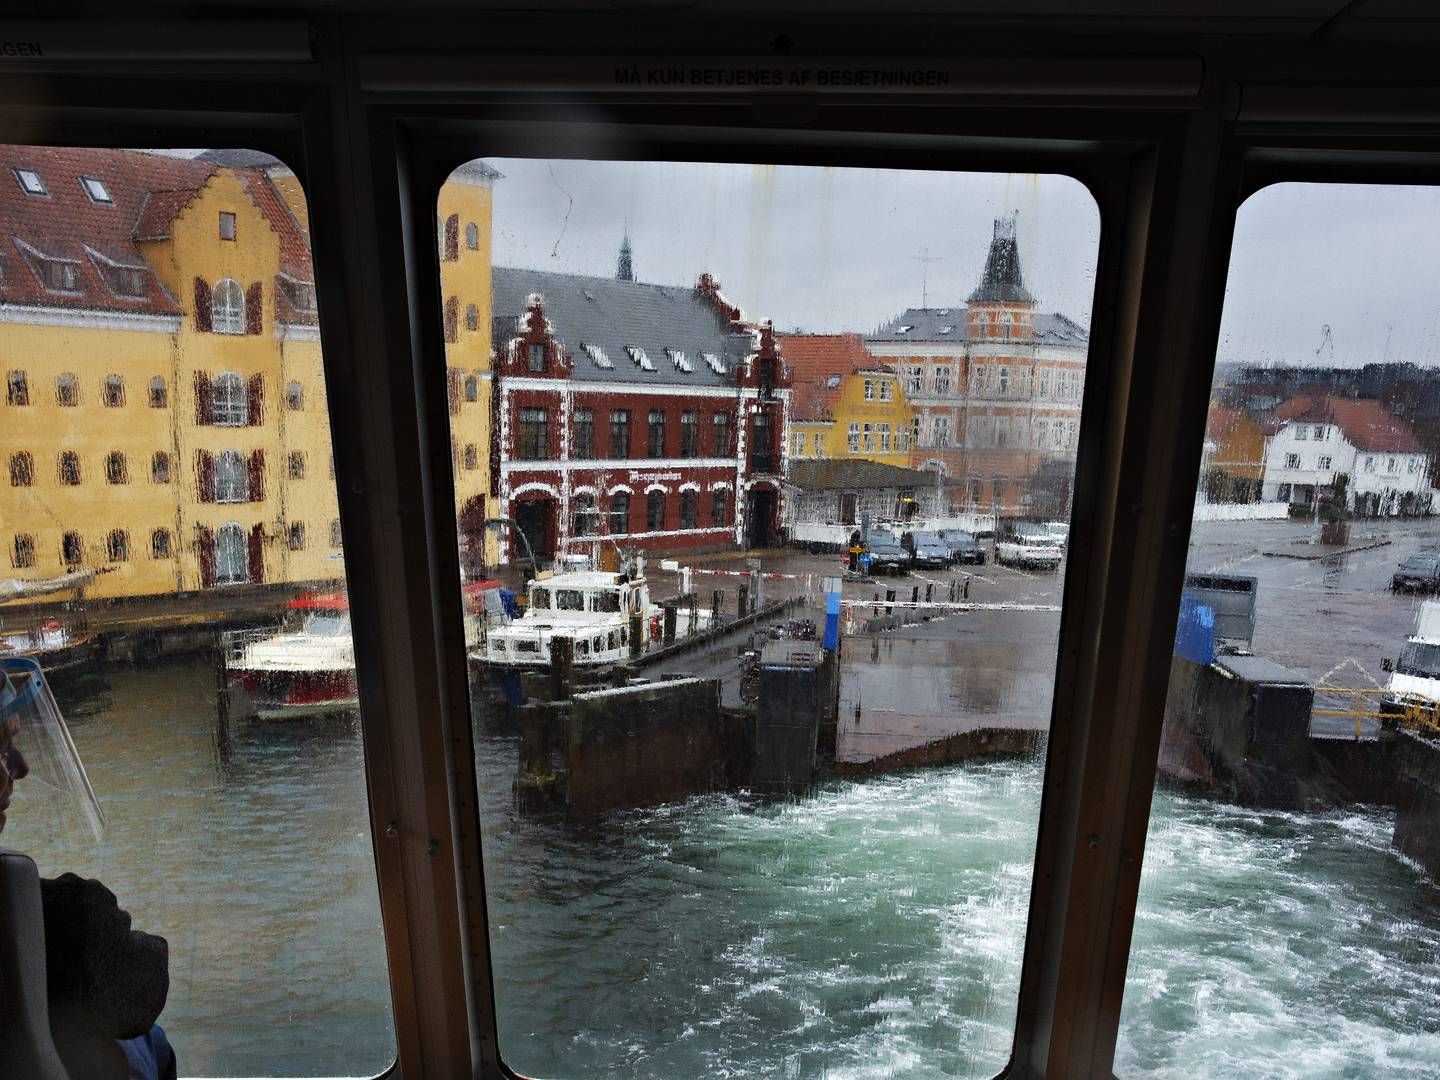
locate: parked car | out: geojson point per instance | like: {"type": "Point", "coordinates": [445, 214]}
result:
{"type": "Point", "coordinates": [926, 550]}
{"type": "Point", "coordinates": [888, 558]}
{"type": "Point", "coordinates": [1028, 545]}
{"type": "Point", "coordinates": [964, 547]}
{"type": "Point", "coordinates": [1418, 573]}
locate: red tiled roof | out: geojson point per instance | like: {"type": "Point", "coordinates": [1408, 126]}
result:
{"type": "Point", "coordinates": [147, 191]}
{"type": "Point", "coordinates": [1367, 424]}
{"type": "Point", "coordinates": [813, 359]}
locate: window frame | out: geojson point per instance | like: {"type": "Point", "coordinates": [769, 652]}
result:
{"type": "Point", "coordinates": [1167, 160]}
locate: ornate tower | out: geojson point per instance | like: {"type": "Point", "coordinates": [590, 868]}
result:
{"type": "Point", "coordinates": [624, 271]}
{"type": "Point", "coordinates": [1001, 307]}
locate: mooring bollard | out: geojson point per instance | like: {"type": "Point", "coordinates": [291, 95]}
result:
{"type": "Point", "coordinates": [562, 667]}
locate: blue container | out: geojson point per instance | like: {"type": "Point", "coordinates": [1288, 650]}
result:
{"type": "Point", "coordinates": [1195, 632]}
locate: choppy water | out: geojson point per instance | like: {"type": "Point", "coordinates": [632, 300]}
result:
{"type": "Point", "coordinates": [872, 930]}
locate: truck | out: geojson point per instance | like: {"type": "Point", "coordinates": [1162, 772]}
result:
{"type": "Point", "coordinates": [1030, 545]}
{"type": "Point", "coordinates": [1413, 691]}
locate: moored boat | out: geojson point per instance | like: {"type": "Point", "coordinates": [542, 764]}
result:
{"type": "Point", "coordinates": [307, 669]}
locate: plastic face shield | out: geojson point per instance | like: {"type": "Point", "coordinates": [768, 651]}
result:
{"type": "Point", "coordinates": [46, 786]}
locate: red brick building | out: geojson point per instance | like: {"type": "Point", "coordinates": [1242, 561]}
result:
{"type": "Point", "coordinates": [652, 415]}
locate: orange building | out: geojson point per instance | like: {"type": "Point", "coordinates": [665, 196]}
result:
{"type": "Point", "coordinates": [1234, 460]}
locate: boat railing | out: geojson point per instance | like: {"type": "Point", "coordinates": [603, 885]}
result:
{"type": "Point", "coordinates": [235, 643]}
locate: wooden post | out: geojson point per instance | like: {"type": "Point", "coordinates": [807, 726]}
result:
{"type": "Point", "coordinates": [889, 601]}
{"type": "Point", "coordinates": [743, 598]}
{"type": "Point", "coordinates": [669, 638]}
{"type": "Point", "coordinates": [716, 602]}
{"type": "Point", "coordinates": [562, 667]}
{"type": "Point", "coordinates": [637, 636]}
{"type": "Point", "coordinates": [694, 626]}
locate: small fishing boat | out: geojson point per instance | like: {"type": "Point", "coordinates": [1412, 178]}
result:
{"type": "Point", "coordinates": [58, 636]}
{"type": "Point", "coordinates": [595, 609]}
{"type": "Point", "coordinates": [307, 669]}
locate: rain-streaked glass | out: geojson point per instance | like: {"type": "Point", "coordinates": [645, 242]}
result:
{"type": "Point", "coordinates": [164, 520]}
{"type": "Point", "coordinates": [718, 845]}
{"type": "Point", "coordinates": [1288, 921]}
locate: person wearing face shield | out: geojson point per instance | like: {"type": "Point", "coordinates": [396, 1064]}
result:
{"type": "Point", "coordinates": [106, 983]}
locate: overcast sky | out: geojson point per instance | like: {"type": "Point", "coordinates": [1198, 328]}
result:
{"type": "Point", "coordinates": [825, 250]}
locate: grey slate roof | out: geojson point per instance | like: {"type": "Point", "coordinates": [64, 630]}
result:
{"type": "Point", "coordinates": [926, 324]}
{"type": "Point", "coordinates": [613, 314]}
{"type": "Point", "coordinates": [829, 474]}
{"type": "Point", "coordinates": [1002, 280]}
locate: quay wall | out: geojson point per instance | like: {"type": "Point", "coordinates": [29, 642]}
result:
{"type": "Point", "coordinates": [1417, 800]}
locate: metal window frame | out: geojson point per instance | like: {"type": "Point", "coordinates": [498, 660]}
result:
{"type": "Point", "coordinates": [360, 108]}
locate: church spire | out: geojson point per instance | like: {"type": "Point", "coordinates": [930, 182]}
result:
{"type": "Point", "coordinates": [624, 271]}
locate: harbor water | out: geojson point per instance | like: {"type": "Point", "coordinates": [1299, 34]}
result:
{"type": "Point", "coordinates": [873, 929]}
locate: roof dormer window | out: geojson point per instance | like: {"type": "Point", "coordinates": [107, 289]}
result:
{"type": "Point", "coordinates": [97, 190]}
{"type": "Point", "coordinates": [30, 182]}
{"type": "Point", "coordinates": [904, 329]}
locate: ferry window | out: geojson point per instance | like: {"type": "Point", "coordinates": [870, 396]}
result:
{"type": "Point", "coordinates": [22, 555]}
{"type": "Point", "coordinates": [620, 434]}
{"type": "Point", "coordinates": [234, 794]}
{"type": "Point", "coordinates": [69, 467]}
{"type": "Point", "coordinates": [1286, 920]}
{"type": "Point", "coordinates": [67, 390]}
{"type": "Point", "coordinates": [22, 469]}
{"type": "Point", "coordinates": [17, 388]}
{"type": "Point", "coordinates": [569, 600]}
{"type": "Point", "coordinates": [704, 282]}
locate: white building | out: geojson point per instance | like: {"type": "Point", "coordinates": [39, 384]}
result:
{"type": "Point", "coordinates": [1319, 439]}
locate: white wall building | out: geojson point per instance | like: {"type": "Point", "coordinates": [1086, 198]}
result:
{"type": "Point", "coordinates": [1386, 469]}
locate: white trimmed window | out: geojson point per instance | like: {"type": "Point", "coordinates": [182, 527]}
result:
{"type": "Point", "coordinates": [227, 307]}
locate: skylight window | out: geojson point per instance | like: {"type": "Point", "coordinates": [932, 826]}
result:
{"type": "Point", "coordinates": [947, 329]}
{"type": "Point", "coordinates": [30, 182]}
{"type": "Point", "coordinates": [96, 189]}
{"type": "Point", "coordinates": [904, 329]}
{"type": "Point", "coordinates": [714, 361]}
{"type": "Point", "coordinates": [677, 357]}
{"type": "Point", "coordinates": [597, 356]}
{"type": "Point", "coordinates": [637, 354]}
{"type": "Point", "coordinates": [943, 311]}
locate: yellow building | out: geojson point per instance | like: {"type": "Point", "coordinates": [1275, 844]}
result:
{"type": "Point", "coordinates": [844, 404]}
{"type": "Point", "coordinates": [165, 420]}
{"type": "Point", "coordinates": [464, 215]}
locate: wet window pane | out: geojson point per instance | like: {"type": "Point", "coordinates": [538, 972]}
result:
{"type": "Point", "coordinates": [743, 839]}
{"type": "Point", "coordinates": [197, 646]}
{"type": "Point", "coordinates": [1287, 922]}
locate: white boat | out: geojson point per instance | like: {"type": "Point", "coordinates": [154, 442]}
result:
{"type": "Point", "coordinates": [307, 669]}
{"type": "Point", "coordinates": [594, 609]}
